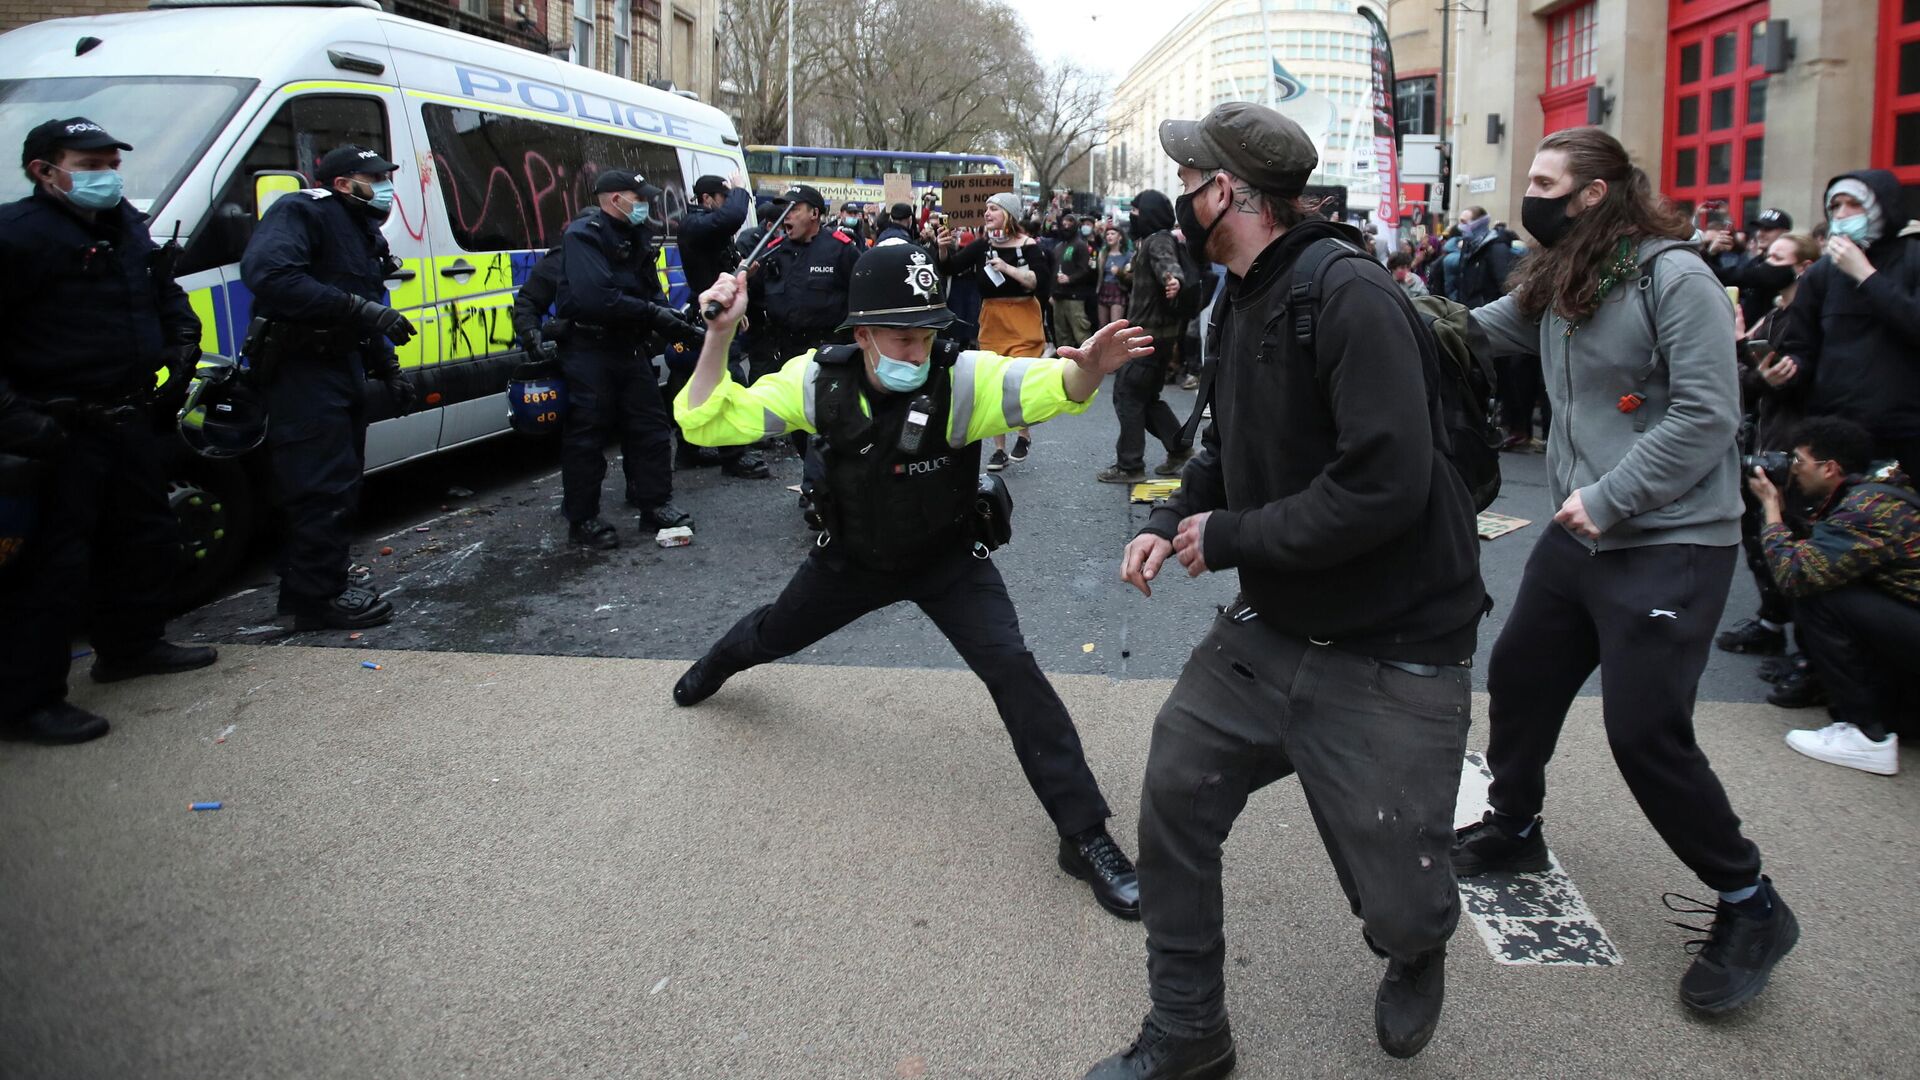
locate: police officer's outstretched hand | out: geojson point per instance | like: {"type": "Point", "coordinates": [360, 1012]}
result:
{"type": "Point", "coordinates": [730, 292]}
{"type": "Point", "coordinates": [1110, 347]}
{"type": "Point", "coordinates": [380, 319]}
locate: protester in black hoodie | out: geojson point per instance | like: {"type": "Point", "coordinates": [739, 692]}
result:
{"type": "Point", "coordinates": [1155, 272]}
{"type": "Point", "coordinates": [1851, 346]}
{"type": "Point", "coordinates": [1344, 658]}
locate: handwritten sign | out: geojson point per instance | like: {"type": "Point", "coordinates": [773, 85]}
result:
{"type": "Point", "coordinates": [898, 187]}
{"type": "Point", "coordinates": [963, 197]}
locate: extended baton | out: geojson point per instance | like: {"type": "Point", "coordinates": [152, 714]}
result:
{"type": "Point", "coordinates": [713, 309]}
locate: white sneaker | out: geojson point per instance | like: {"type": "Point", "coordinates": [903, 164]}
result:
{"type": "Point", "coordinates": [1844, 744]}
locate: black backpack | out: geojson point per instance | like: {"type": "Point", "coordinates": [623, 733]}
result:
{"type": "Point", "coordinates": [1466, 380]}
{"type": "Point", "coordinates": [1196, 283]}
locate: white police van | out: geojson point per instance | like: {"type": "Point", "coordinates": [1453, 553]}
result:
{"type": "Point", "coordinates": [231, 104]}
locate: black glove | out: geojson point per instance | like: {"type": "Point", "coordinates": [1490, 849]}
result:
{"type": "Point", "coordinates": [182, 362]}
{"type": "Point", "coordinates": [669, 324]}
{"type": "Point", "coordinates": [401, 390]}
{"type": "Point", "coordinates": [530, 341]}
{"type": "Point", "coordinates": [380, 319]}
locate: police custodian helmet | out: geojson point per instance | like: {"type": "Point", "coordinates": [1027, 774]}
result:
{"type": "Point", "coordinates": [896, 284]}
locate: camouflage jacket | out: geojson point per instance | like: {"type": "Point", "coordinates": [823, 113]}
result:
{"type": "Point", "coordinates": [1857, 535]}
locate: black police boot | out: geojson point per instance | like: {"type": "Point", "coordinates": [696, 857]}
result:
{"type": "Point", "coordinates": [1158, 1054]}
{"type": "Point", "coordinates": [593, 533]}
{"type": "Point", "coordinates": [747, 466]}
{"type": "Point", "coordinates": [1487, 846]}
{"type": "Point", "coordinates": [58, 724]}
{"type": "Point", "coordinates": [664, 516]}
{"type": "Point", "coordinates": [702, 681]}
{"type": "Point", "coordinates": [1094, 858]}
{"type": "Point", "coordinates": [164, 658]}
{"type": "Point", "coordinates": [689, 456]}
{"type": "Point", "coordinates": [1741, 947]}
{"type": "Point", "coordinates": [1751, 637]}
{"type": "Point", "coordinates": [354, 609]}
{"type": "Point", "coordinates": [1407, 1009]}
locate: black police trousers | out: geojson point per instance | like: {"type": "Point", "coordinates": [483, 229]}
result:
{"type": "Point", "coordinates": [612, 387]}
{"type": "Point", "coordinates": [1377, 749]}
{"type": "Point", "coordinates": [106, 548]}
{"type": "Point", "coordinates": [967, 599]}
{"type": "Point", "coordinates": [1862, 643]}
{"type": "Point", "coordinates": [1645, 616]}
{"type": "Point", "coordinates": [317, 441]}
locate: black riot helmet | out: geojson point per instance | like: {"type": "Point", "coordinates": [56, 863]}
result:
{"type": "Point", "coordinates": [896, 284]}
{"type": "Point", "coordinates": [223, 416]}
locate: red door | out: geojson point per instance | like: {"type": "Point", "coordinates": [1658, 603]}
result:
{"type": "Point", "coordinates": [1716, 105]}
{"type": "Point", "coordinates": [1896, 124]}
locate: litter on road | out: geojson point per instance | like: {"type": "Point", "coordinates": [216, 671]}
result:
{"type": "Point", "coordinates": [675, 537]}
{"type": "Point", "coordinates": [370, 665]}
{"type": "Point", "coordinates": [205, 806]}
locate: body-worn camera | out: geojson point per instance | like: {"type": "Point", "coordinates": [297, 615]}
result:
{"type": "Point", "coordinates": [1775, 463]}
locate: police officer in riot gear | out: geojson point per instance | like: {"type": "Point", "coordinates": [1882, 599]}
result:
{"type": "Point", "coordinates": [322, 331]}
{"type": "Point", "coordinates": [93, 316]}
{"type": "Point", "coordinates": [611, 296]}
{"type": "Point", "coordinates": [707, 251]}
{"type": "Point", "coordinates": [901, 418]}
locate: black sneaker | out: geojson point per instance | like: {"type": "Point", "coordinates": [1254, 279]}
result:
{"type": "Point", "coordinates": [57, 724]}
{"type": "Point", "coordinates": [1800, 689]}
{"type": "Point", "coordinates": [1094, 858]}
{"type": "Point", "coordinates": [164, 658]}
{"type": "Point", "coordinates": [1022, 446]}
{"type": "Point", "coordinates": [1777, 668]}
{"type": "Point", "coordinates": [664, 516]}
{"type": "Point", "coordinates": [1751, 637]}
{"type": "Point", "coordinates": [1407, 1009]}
{"type": "Point", "coordinates": [1732, 963]}
{"type": "Point", "coordinates": [998, 461]}
{"type": "Point", "coordinates": [1158, 1054]}
{"type": "Point", "coordinates": [593, 533]}
{"type": "Point", "coordinates": [1488, 847]}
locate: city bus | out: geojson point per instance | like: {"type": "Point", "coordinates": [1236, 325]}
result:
{"type": "Point", "coordinates": [844, 175]}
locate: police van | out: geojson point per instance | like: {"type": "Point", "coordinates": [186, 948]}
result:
{"type": "Point", "coordinates": [230, 105]}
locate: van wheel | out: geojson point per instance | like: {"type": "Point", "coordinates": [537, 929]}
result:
{"type": "Point", "coordinates": [214, 503]}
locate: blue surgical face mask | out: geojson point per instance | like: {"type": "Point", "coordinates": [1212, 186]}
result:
{"type": "Point", "coordinates": [1086, 230]}
{"type": "Point", "coordinates": [1853, 228]}
{"type": "Point", "coordinates": [898, 375]}
{"type": "Point", "coordinates": [382, 197]}
{"type": "Point", "coordinates": [639, 213]}
{"type": "Point", "coordinates": [97, 189]}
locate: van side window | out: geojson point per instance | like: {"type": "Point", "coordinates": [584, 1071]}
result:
{"type": "Point", "coordinates": [296, 139]}
{"type": "Point", "coordinates": [512, 184]}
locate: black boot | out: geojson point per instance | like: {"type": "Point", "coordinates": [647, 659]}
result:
{"type": "Point", "coordinates": [593, 533]}
{"type": "Point", "coordinates": [164, 658]}
{"type": "Point", "coordinates": [1407, 1009]}
{"type": "Point", "coordinates": [1158, 1054]}
{"type": "Point", "coordinates": [1490, 847]}
{"type": "Point", "coordinates": [1751, 637]}
{"type": "Point", "coordinates": [1800, 689]}
{"type": "Point", "coordinates": [689, 456]}
{"type": "Point", "coordinates": [353, 609]}
{"type": "Point", "coordinates": [58, 724]}
{"type": "Point", "coordinates": [664, 516]}
{"type": "Point", "coordinates": [747, 466]}
{"type": "Point", "coordinates": [1741, 947]}
{"type": "Point", "coordinates": [701, 681]}
{"type": "Point", "coordinates": [1094, 858]}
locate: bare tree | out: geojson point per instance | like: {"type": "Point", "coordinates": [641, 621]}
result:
{"type": "Point", "coordinates": [753, 61]}
{"type": "Point", "coordinates": [1057, 121]}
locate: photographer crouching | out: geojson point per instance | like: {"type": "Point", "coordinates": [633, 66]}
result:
{"type": "Point", "coordinates": [1854, 584]}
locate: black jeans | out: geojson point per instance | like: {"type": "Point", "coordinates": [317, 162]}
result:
{"type": "Point", "coordinates": [967, 599]}
{"type": "Point", "coordinates": [1862, 643]}
{"type": "Point", "coordinates": [1645, 617]}
{"type": "Point", "coordinates": [317, 441]}
{"type": "Point", "coordinates": [100, 564]}
{"type": "Point", "coordinates": [1378, 752]}
{"type": "Point", "coordinates": [611, 387]}
{"type": "Point", "coordinates": [1136, 401]}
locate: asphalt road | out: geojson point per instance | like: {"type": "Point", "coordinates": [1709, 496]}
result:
{"type": "Point", "coordinates": [492, 571]}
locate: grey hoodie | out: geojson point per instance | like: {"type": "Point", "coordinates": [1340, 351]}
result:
{"type": "Point", "coordinates": [1666, 472]}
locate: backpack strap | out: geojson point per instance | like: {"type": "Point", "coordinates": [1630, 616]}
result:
{"type": "Point", "coordinates": [1305, 284]}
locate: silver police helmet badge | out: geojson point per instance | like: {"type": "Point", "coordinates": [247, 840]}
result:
{"type": "Point", "coordinates": [922, 278]}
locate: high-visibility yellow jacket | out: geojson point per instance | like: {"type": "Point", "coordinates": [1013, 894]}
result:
{"type": "Point", "coordinates": [993, 394]}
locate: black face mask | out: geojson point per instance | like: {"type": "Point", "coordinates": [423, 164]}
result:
{"type": "Point", "coordinates": [1771, 278]}
{"type": "Point", "coordinates": [1190, 226]}
{"type": "Point", "coordinates": [1546, 218]}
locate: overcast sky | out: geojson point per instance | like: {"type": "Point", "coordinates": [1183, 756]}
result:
{"type": "Point", "coordinates": [1105, 35]}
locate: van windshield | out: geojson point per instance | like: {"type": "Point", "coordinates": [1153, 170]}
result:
{"type": "Point", "coordinates": [169, 120]}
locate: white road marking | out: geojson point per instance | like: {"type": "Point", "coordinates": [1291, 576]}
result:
{"type": "Point", "coordinates": [1528, 919]}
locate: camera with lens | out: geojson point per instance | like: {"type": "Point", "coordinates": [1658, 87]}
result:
{"type": "Point", "coordinates": [1775, 463]}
